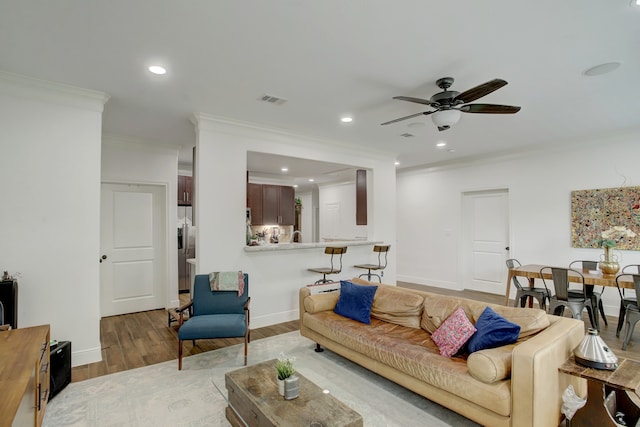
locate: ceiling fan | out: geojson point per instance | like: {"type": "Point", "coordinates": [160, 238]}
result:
{"type": "Point", "coordinates": [449, 104]}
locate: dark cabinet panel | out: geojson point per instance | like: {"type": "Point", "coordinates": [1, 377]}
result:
{"type": "Point", "coordinates": [271, 204]}
{"type": "Point", "coordinates": [361, 197]}
{"type": "Point", "coordinates": [254, 202]}
{"type": "Point", "coordinates": [287, 208]}
{"type": "Point", "coordinates": [185, 190]}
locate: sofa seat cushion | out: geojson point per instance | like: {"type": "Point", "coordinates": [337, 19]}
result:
{"type": "Point", "coordinates": [413, 352]}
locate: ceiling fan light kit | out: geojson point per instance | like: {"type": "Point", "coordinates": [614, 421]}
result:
{"type": "Point", "coordinates": [449, 104]}
{"type": "Point", "coordinates": [443, 119]}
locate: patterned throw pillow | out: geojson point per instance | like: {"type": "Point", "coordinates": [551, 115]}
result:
{"type": "Point", "coordinates": [453, 333]}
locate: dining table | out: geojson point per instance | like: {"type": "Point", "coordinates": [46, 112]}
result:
{"type": "Point", "coordinates": [591, 277]}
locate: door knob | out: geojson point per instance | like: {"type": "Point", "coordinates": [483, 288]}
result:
{"type": "Point", "coordinates": [507, 248]}
{"type": "Point", "coordinates": [103, 257]}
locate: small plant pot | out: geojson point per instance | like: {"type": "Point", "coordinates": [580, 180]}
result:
{"type": "Point", "coordinates": [291, 387]}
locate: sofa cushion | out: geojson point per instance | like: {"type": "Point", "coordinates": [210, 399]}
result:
{"type": "Point", "coordinates": [492, 364]}
{"type": "Point", "coordinates": [493, 330]}
{"type": "Point", "coordinates": [397, 306]}
{"type": "Point", "coordinates": [321, 302]}
{"type": "Point", "coordinates": [453, 333]}
{"type": "Point", "coordinates": [438, 307]}
{"type": "Point", "coordinates": [355, 301]}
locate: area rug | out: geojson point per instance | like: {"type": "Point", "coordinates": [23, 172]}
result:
{"type": "Point", "coordinates": [160, 395]}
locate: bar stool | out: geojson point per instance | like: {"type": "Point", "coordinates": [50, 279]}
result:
{"type": "Point", "coordinates": [330, 250]}
{"type": "Point", "coordinates": [380, 249]}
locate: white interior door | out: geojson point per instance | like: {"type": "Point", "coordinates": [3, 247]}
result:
{"type": "Point", "coordinates": [133, 243]}
{"type": "Point", "coordinates": [486, 234]}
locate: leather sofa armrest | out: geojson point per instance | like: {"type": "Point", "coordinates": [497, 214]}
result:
{"type": "Point", "coordinates": [304, 292]}
{"type": "Point", "coordinates": [536, 384]}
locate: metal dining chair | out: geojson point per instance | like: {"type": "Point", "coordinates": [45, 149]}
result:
{"type": "Point", "coordinates": [562, 299]}
{"type": "Point", "coordinates": [523, 293]}
{"type": "Point", "coordinates": [595, 296]}
{"type": "Point", "coordinates": [632, 310]}
{"type": "Point", "coordinates": [626, 300]}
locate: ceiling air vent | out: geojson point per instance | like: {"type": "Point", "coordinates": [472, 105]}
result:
{"type": "Point", "coordinates": [270, 99]}
{"type": "Point", "coordinates": [407, 135]}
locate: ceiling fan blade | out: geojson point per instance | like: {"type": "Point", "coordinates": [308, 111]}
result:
{"type": "Point", "coordinates": [480, 91]}
{"type": "Point", "coordinates": [489, 109]}
{"type": "Point", "coordinates": [412, 99]}
{"type": "Point", "coordinates": [426, 113]}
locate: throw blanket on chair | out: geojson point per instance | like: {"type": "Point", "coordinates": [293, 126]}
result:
{"type": "Point", "coordinates": [227, 281]}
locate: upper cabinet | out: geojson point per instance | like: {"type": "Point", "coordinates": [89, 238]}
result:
{"type": "Point", "coordinates": [185, 190]}
{"type": "Point", "coordinates": [271, 204]}
{"type": "Point", "coordinates": [254, 202]}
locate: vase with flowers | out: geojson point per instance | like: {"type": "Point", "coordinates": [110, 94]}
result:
{"type": "Point", "coordinates": [285, 368]}
{"type": "Point", "coordinates": [609, 262]}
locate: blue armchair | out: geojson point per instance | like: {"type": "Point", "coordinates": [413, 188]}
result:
{"type": "Point", "coordinates": [215, 314]}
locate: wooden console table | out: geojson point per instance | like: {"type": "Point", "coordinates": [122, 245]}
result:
{"type": "Point", "coordinates": [623, 382]}
{"type": "Point", "coordinates": [24, 375]}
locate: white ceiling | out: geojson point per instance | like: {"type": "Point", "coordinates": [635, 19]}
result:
{"type": "Point", "coordinates": [329, 58]}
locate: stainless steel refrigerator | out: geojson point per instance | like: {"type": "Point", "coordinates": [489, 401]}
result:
{"type": "Point", "coordinates": [186, 246]}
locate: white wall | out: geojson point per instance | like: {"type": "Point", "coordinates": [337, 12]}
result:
{"type": "Point", "coordinates": [539, 184]}
{"type": "Point", "coordinates": [126, 161]}
{"type": "Point", "coordinates": [50, 185]}
{"type": "Point", "coordinates": [344, 194]}
{"type": "Point", "coordinates": [275, 277]}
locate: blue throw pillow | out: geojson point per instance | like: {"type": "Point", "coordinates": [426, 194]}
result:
{"type": "Point", "coordinates": [355, 301]}
{"type": "Point", "coordinates": [493, 331]}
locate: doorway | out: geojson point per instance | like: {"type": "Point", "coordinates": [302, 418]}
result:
{"type": "Point", "coordinates": [485, 240]}
{"type": "Point", "coordinates": [133, 243]}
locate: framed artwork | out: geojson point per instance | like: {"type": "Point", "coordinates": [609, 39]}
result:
{"type": "Point", "coordinates": [596, 211]}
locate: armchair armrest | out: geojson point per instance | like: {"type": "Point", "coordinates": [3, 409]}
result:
{"type": "Point", "coordinates": [246, 304]}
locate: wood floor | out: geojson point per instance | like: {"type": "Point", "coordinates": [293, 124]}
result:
{"type": "Point", "coordinates": [139, 339]}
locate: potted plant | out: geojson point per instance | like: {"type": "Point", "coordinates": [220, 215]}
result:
{"type": "Point", "coordinates": [284, 368]}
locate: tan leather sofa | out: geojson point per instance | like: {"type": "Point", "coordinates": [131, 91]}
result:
{"type": "Point", "coordinates": [513, 385]}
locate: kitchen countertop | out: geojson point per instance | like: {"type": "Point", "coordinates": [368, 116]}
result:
{"type": "Point", "coordinates": [293, 246]}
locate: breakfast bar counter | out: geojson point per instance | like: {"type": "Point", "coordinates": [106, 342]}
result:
{"type": "Point", "coordinates": [293, 246]}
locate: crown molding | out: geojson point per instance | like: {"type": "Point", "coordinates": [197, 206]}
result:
{"type": "Point", "coordinates": [51, 92]}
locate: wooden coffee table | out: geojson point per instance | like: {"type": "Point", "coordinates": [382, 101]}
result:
{"type": "Point", "coordinates": [254, 401]}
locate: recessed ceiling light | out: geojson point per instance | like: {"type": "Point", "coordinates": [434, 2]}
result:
{"type": "Point", "coordinates": [396, 163]}
{"type": "Point", "coordinates": [285, 169]}
{"type": "Point", "coordinates": [156, 69]}
{"type": "Point", "coordinates": [451, 150]}
{"type": "Point", "coordinates": [346, 119]}
{"type": "Point", "coordinates": [634, 2]}
{"type": "Point", "coordinates": [441, 144]}
{"type": "Point", "coordinates": [605, 68]}
{"type": "Point", "coordinates": [295, 185]}
{"type": "Point", "coordinates": [311, 179]}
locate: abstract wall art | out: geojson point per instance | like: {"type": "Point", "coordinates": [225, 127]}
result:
{"type": "Point", "coordinates": [596, 211]}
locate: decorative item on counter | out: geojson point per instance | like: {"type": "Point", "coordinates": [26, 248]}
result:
{"type": "Point", "coordinates": [285, 369]}
{"type": "Point", "coordinates": [594, 353]}
{"type": "Point", "coordinates": [298, 201]}
{"type": "Point", "coordinates": [6, 276]}
{"type": "Point", "coordinates": [609, 263]}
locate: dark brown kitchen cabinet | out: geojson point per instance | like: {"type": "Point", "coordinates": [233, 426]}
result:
{"type": "Point", "coordinates": [271, 204]}
{"type": "Point", "coordinates": [185, 190]}
{"type": "Point", "coordinates": [254, 202]}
